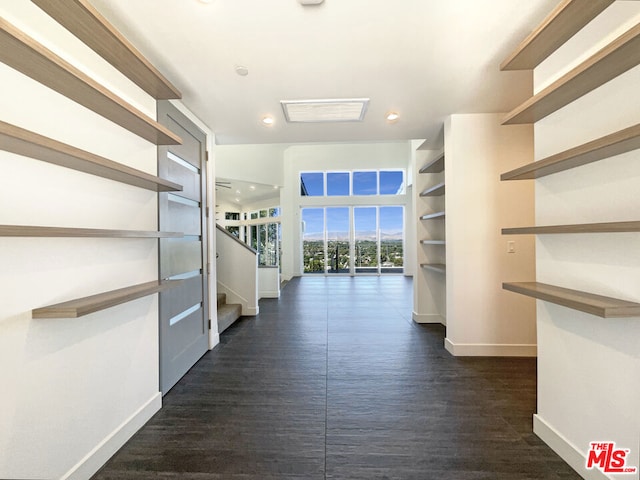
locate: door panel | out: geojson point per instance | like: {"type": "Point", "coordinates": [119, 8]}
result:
{"type": "Point", "coordinates": [183, 218]}
{"type": "Point", "coordinates": [183, 175]}
{"type": "Point", "coordinates": [188, 294]}
{"type": "Point", "coordinates": [184, 311]}
{"type": "Point", "coordinates": [181, 256]}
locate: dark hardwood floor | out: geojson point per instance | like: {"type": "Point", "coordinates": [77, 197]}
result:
{"type": "Point", "coordinates": [334, 380]}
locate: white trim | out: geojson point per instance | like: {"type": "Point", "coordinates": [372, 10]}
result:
{"type": "Point", "coordinates": [214, 337]}
{"type": "Point", "coordinates": [428, 318]}
{"type": "Point", "coordinates": [250, 312]}
{"type": "Point", "coordinates": [102, 452]}
{"type": "Point", "coordinates": [270, 294]}
{"type": "Point", "coordinates": [489, 349]}
{"type": "Point", "coordinates": [566, 450]}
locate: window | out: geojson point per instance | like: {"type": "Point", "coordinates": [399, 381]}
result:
{"type": "Point", "coordinates": [312, 184]}
{"type": "Point", "coordinates": [338, 183]}
{"type": "Point", "coordinates": [365, 183]}
{"type": "Point", "coordinates": [235, 231]}
{"type": "Point", "coordinates": [391, 239]}
{"type": "Point", "coordinates": [338, 239]}
{"type": "Point", "coordinates": [313, 240]}
{"type": "Point", "coordinates": [391, 182]}
{"type": "Point", "coordinates": [231, 215]}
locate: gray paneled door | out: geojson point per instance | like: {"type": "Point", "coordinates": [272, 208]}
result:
{"type": "Point", "coordinates": [184, 311]}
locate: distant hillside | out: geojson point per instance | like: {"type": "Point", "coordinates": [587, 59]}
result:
{"type": "Point", "coordinates": [344, 236]}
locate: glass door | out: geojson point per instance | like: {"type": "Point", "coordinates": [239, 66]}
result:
{"type": "Point", "coordinates": [313, 251]}
{"type": "Point", "coordinates": [391, 239]}
{"type": "Point", "coordinates": [338, 233]}
{"type": "Point", "coordinates": [365, 220]}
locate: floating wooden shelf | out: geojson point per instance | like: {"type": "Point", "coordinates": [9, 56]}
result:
{"type": "Point", "coordinates": [435, 191]}
{"type": "Point", "coordinates": [564, 22]}
{"type": "Point", "coordinates": [94, 303]}
{"type": "Point", "coordinates": [436, 267]}
{"type": "Point", "coordinates": [86, 23]}
{"type": "Point", "coordinates": [606, 307]}
{"type": "Point", "coordinates": [34, 231]}
{"type": "Point", "coordinates": [616, 58]}
{"type": "Point", "coordinates": [608, 146]}
{"type": "Point", "coordinates": [433, 242]}
{"type": "Point", "coordinates": [24, 142]}
{"type": "Point", "coordinates": [611, 227]}
{"type": "Point", "coordinates": [434, 166]}
{"type": "Point", "coordinates": [432, 215]}
{"type": "Point", "coordinates": [23, 53]}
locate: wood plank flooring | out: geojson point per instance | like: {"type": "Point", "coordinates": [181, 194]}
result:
{"type": "Point", "coordinates": [334, 381]}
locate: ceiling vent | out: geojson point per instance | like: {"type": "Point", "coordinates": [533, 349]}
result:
{"type": "Point", "coordinates": [313, 111]}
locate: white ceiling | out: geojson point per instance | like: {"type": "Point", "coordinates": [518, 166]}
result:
{"type": "Point", "coordinates": [424, 59]}
{"type": "Point", "coordinates": [242, 193]}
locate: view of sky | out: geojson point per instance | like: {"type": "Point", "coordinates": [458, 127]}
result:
{"type": "Point", "coordinates": [364, 183]}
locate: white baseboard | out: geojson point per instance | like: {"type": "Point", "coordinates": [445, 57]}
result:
{"type": "Point", "coordinates": [250, 311]}
{"type": "Point", "coordinates": [270, 294]}
{"type": "Point", "coordinates": [97, 457]}
{"type": "Point", "coordinates": [214, 339]}
{"type": "Point", "coordinates": [489, 350]}
{"type": "Point", "coordinates": [428, 318]}
{"type": "Point", "coordinates": [566, 450]}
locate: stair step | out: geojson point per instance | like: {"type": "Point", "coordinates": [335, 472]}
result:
{"type": "Point", "coordinates": [227, 314]}
{"type": "Point", "coordinates": [222, 299]}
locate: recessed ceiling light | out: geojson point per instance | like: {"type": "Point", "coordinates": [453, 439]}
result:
{"type": "Point", "coordinates": [252, 187]}
{"type": "Point", "coordinates": [267, 120]}
{"type": "Point", "coordinates": [237, 199]}
{"type": "Point", "coordinates": [242, 70]}
{"type": "Point", "coordinates": [238, 192]}
{"type": "Point", "coordinates": [392, 117]}
{"type": "Point", "coordinates": [205, 1]}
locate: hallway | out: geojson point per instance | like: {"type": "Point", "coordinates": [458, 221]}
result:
{"type": "Point", "coordinates": [334, 380]}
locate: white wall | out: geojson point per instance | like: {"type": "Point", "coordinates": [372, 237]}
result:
{"type": "Point", "coordinates": [68, 385]}
{"type": "Point", "coordinates": [251, 163]}
{"type": "Point", "coordinates": [589, 367]}
{"type": "Point", "coordinates": [482, 318]}
{"type": "Point", "coordinates": [331, 157]}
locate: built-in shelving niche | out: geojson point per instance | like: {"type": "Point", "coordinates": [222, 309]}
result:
{"type": "Point", "coordinates": [435, 191]}
{"type": "Point", "coordinates": [435, 267]}
{"type": "Point", "coordinates": [616, 58]}
{"type": "Point", "coordinates": [434, 166]}
{"type": "Point", "coordinates": [432, 216]}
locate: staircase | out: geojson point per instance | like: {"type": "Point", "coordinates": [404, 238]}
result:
{"type": "Point", "coordinates": [227, 312]}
